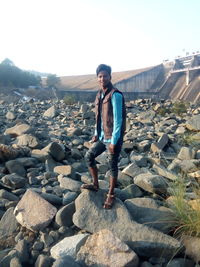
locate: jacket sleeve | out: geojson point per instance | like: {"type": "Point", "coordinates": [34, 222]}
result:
{"type": "Point", "coordinates": [117, 117]}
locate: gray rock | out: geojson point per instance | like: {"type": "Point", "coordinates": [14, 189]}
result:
{"type": "Point", "coordinates": [132, 170]}
{"type": "Point", "coordinates": [192, 247]}
{"type": "Point", "coordinates": [69, 184]}
{"type": "Point", "coordinates": [28, 140]}
{"type": "Point", "coordinates": [7, 195]}
{"type": "Point", "coordinates": [181, 262]}
{"type": "Point", "coordinates": [51, 198]}
{"type": "Point", "coordinates": [10, 115]}
{"type": "Point", "coordinates": [160, 144]}
{"type": "Point", "coordinates": [34, 212]}
{"type": "Point", "coordinates": [43, 261]}
{"type": "Point", "coordinates": [65, 261]}
{"type": "Point", "coordinates": [64, 215]}
{"type": "Point", "coordinates": [56, 150]}
{"type": "Point", "coordinates": [22, 249]}
{"type": "Point", "coordinates": [38, 245]}
{"type": "Point", "coordinates": [66, 170]}
{"type": "Point", "coordinates": [147, 211]}
{"type": "Point", "coordinates": [14, 166]}
{"type": "Point", "coordinates": [106, 250]}
{"type": "Point", "coordinates": [193, 124]}
{"type": "Point", "coordinates": [5, 262]}
{"type": "Point", "coordinates": [50, 112]}
{"type": "Point", "coordinates": [51, 164]}
{"type": "Point", "coordinates": [69, 246]}
{"type": "Point", "coordinates": [46, 239]}
{"type": "Point", "coordinates": [130, 191]}
{"type": "Point", "coordinates": [8, 224]}
{"type": "Point", "coordinates": [14, 181]}
{"type": "Point", "coordinates": [161, 170]}
{"type": "Point", "coordinates": [15, 262]}
{"type": "Point", "coordinates": [18, 129]}
{"type": "Point", "coordinates": [145, 241]}
{"type": "Point", "coordinates": [151, 183]}
{"type": "Point", "coordinates": [69, 197]}
{"type": "Point", "coordinates": [186, 153]}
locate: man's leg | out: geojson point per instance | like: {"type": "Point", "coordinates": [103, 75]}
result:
{"type": "Point", "coordinates": [94, 173]}
{"type": "Point", "coordinates": [97, 148]}
{"type": "Point", "coordinates": [113, 162]}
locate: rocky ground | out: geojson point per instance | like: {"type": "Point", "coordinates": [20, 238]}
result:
{"type": "Point", "coordinates": [46, 220]}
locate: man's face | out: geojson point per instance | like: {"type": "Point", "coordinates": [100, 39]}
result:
{"type": "Point", "coordinates": [103, 79]}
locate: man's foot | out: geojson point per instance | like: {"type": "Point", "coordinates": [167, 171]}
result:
{"type": "Point", "coordinates": [91, 187]}
{"type": "Point", "coordinates": [109, 201]}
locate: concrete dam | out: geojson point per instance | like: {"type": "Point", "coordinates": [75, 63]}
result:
{"type": "Point", "coordinates": [178, 80]}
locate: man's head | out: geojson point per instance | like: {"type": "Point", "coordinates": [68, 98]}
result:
{"type": "Point", "coordinates": [103, 75]}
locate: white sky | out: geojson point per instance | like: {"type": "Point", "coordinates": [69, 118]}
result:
{"type": "Point", "coordinates": [72, 37]}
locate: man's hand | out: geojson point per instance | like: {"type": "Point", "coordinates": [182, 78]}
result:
{"type": "Point", "coordinates": [112, 148]}
{"type": "Point", "coordinates": [94, 139]}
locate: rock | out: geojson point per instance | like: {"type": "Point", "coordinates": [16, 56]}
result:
{"type": "Point", "coordinates": [192, 247]}
{"type": "Point", "coordinates": [55, 150]}
{"type": "Point", "coordinates": [64, 215]}
{"type": "Point", "coordinates": [162, 142]}
{"type": "Point", "coordinates": [51, 198]}
{"type": "Point", "coordinates": [151, 183]}
{"type": "Point", "coordinates": [106, 250]}
{"type": "Point", "coordinates": [27, 140]}
{"type": "Point", "coordinates": [14, 166]}
{"type": "Point", "coordinates": [7, 195]}
{"type": "Point", "coordinates": [69, 246]}
{"type": "Point", "coordinates": [47, 239]}
{"type": "Point", "coordinates": [50, 164]}
{"type": "Point", "coordinates": [43, 261]}
{"type": "Point", "coordinates": [10, 115]}
{"type": "Point", "coordinates": [41, 155]}
{"type": "Point", "coordinates": [14, 181]}
{"type": "Point", "coordinates": [131, 191]}
{"type": "Point", "coordinates": [147, 211]}
{"type": "Point", "coordinates": [180, 262]}
{"type": "Point", "coordinates": [132, 170]}
{"type": "Point", "coordinates": [68, 197]}
{"type": "Point", "coordinates": [161, 170]}
{"type": "Point", "coordinates": [69, 184]}
{"type": "Point", "coordinates": [15, 262]}
{"type": "Point", "coordinates": [186, 153]}
{"type": "Point", "coordinates": [19, 129]}
{"type": "Point", "coordinates": [50, 112]}
{"type": "Point", "coordinates": [65, 261]}
{"type": "Point", "coordinates": [8, 224]}
{"type": "Point", "coordinates": [193, 124]}
{"type": "Point", "coordinates": [8, 152]}
{"type": "Point", "coordinates": [145, 241]}
{"type": "Point", "coordinates": [34, 212]}
{"type": "Point", "coordinates": [22, 248]}
{"type": "Point", "coordinates": [66, 170]}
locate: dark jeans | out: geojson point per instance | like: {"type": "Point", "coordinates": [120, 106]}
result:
{"type": "Point", "coordinates": [97, 149]}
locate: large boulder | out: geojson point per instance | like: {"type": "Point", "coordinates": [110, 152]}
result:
{"type": "Point", "coordinates": [104, 249]}
{"type": "Point", "coordinates": [34, 212]}
{"type": "Point", "coordinates": [145, 241]}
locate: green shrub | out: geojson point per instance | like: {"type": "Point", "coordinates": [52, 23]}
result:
{"type": "Point", "coordinates": [186, 218]}
{"type": "Point", "coordinates": [162, 111]}
{"type": "Point", "coordinates": [69, 99]}
{"type": "Point", "coordinates": [179, 108]}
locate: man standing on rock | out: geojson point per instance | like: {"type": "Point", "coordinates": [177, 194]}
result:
{"type": "Point", "coordinates": [109, 130]}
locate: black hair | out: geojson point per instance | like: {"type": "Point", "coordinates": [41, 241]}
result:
{"type": "Point", "coordinates": [103, 67]}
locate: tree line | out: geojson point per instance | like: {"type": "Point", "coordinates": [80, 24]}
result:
{"type": "Point", "coordinates": [12, 76]}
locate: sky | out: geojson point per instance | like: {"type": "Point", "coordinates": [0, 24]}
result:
{"type": "Point", "coordinates": [72, 37]}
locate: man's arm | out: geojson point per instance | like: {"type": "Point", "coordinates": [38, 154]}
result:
{"type": "Point", "coordinates": [117, 119]}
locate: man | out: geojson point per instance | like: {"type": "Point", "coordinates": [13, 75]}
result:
{"type": "Point", "coordinates": [109, 131]}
